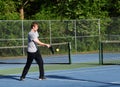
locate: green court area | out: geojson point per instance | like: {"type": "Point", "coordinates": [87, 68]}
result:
{"type": "Point", "coordinates": [48, 67]}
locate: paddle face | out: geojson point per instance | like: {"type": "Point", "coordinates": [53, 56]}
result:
{"type": "Point", "coordinates": [51, 49]}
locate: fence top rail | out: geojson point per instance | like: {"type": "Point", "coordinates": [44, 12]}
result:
{"type": "Point", "coordinates": [12, 47]}
{"type": "Point", "coordinates": [110, 41]}
{"type": "Point", "coordinates": [49, 20]}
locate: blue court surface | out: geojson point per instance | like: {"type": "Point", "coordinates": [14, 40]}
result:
{"type": "Point", "coordinates": [98, 76]}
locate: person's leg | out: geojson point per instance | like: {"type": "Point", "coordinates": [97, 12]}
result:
{"type": "Point", "coordinates": [30, 57]}
{"type": "Point", "coordinates": [39, 61]}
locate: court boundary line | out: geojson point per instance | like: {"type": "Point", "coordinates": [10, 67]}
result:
{"type": "Point", "coordinates": [84, 70]}
{"type": "Point", "coordinates": [71, 71]}
{"type": "Point", "coordinates": [84, 81]}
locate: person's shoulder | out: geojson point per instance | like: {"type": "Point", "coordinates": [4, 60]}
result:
{"type": "Point", "coordinates": [31, 33]}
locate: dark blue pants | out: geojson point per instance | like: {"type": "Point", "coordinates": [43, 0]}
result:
{"type": "Point", "coordinates": [38, 58]}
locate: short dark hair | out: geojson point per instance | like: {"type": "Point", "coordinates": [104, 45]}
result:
{"type": "Point", "coordinates": [33, 24]}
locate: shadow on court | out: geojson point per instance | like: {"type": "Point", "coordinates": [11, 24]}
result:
{"type": "Point", "coordinates": [10, 63]}
{"type": "Point", "coordinates": [103, 84]}
{"type": "Point", "coordinates": [14, 77]}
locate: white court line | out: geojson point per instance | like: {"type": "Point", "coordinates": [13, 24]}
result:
{"type": "Point", "coordinates": [78, 81]}
{"type": "Point", "coordinates": [70, 71]}
{"type": "Point", "coordinates": [116, 82]}
{"type": "Point", "coordinates": [67, 80]}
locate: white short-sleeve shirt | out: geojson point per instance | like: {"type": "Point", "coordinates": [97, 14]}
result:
{"type": "Point", "coordinates": [32, 46]}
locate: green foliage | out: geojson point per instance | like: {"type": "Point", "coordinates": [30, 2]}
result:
{"type": "Point", "coordinates": [44, 15]}
{"type": "Point", "coordinates": [8, 10]}
{"type": "Point", "coordinates": [59, 9]}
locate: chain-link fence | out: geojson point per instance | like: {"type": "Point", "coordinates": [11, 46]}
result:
{"type": "Point", "coordinates": [84, 35]}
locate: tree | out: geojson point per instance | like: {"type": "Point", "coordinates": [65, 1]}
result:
{"type": "Point", "coordinates": [113, 8]}
{"type": "Point", "coordinates": [59, 9]}
{"type": "Point", "coordinates": [20, 6]}
{"type": "Point", "coordinates": [23, 4]}
{"type": "Point", "coordinates": [8, 10]}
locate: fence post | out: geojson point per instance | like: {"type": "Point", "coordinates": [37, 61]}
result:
{"type": "Point", "coordinates": [23, 39]}
{"type": "Point", "coordinates": [100, 53]}
{"type": "Point", "coordinates": [69, 52]}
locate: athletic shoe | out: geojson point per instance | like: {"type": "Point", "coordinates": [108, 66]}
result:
{"type": "Point", "coordinates": [22, 79]}
{"type": "Point", "coordinates": [43, 78]}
